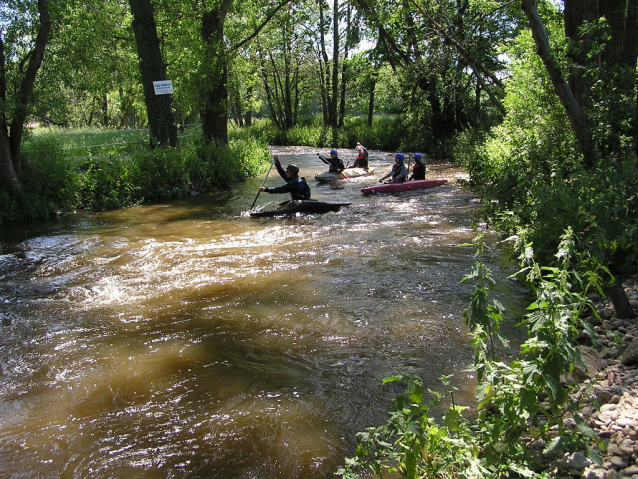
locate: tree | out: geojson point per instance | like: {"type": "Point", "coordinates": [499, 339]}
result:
{"type": "Point", "coordinates": [564, 93]}
{"type": "Point", "coordinates": [450, 50]}
{"type": "Point", "coordinates": [284, 66]}
{"type": "Point", "coordinates": [612, 65]}
{"type": "Point", "coordinates": [217, 51]}
{"type": "Point", "coordinates": [161, 120]}
{"type": "Point", "coordinates": [33, 29]}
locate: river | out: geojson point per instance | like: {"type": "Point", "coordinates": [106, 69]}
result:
{"type": "Point", "coordinates": [187, 339]}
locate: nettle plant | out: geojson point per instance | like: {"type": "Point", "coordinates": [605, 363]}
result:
{"type": "Point", "coordinates": [517, 402]}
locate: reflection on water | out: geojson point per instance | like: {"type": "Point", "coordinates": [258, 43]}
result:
{"type": "Point", "coordinates": [189, 340]}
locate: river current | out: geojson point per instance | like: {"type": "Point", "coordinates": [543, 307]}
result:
{"type": "Point", "coordinates": [187, 339]}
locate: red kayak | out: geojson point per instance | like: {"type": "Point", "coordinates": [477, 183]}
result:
{"type": "Point", "coordinates": [406, 186]}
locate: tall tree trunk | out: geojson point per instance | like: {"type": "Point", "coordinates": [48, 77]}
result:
{"type": "Point", "coordinates": [287, 87]}
{"type": "Point", "coordinates": [577, 12]}
{"type": "Point", "coordinates": [248, 117]}
{"type": "Point", "coordinates": [105, 111]}
{"type": "Point", "coordinates": [324, 71]}
{"type": "Point", "coordinates": [335, 64]}
{"type": "Point", "coordinates": [564, 93]}
{"type": "Point", "coordinates": [617, 61]}
{"type": "Point", "coordinates": [161, 118]}
{"type": "Point", "coordinates": [344, 68]}
{"type": "Point", "coordinates": [11, 135]}
{"type": "Point", "coordinates": [215, 89]}
{"type": "Point", "coordinates": [373, 87]}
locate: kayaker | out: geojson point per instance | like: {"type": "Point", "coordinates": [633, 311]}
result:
{"type": "Point", "coordinates": [362, 157]}
{"type": "Point", "coordinates": [334, 162]}
{"type": "Point", "coordinates": [295, 184]}
{"type": "Point", "coordinates": [418, 170]}
{"type": "Point", "coordinates": [399, 172]}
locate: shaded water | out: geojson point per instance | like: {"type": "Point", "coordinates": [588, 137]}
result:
{"type": "Point", "coordinates": [187, 339]}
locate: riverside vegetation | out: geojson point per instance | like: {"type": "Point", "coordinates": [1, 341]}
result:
{"type": "Point", "coordinates": [519, 403]}
{"type": "Point", "coordinates": [66, 170]}
{"type": "Point", "coordinates": [477, 82]}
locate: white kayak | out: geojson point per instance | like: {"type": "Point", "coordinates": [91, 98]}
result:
{"type": "Point", "coordinates": [344, 175]}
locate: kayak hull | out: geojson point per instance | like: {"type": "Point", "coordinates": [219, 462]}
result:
{"type": "Point", "coordinates": [300, 206]}
{"type": "Point", "coordinates": [345, 174]}
{"type": "Point", "coordinates": [406, 186]}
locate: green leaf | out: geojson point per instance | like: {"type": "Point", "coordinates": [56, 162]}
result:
{"type": "Point", "coordinates": [452, 419]}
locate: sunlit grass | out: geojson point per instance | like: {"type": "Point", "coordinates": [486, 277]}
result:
{"type": "Point", "coordinates": [91, 143]}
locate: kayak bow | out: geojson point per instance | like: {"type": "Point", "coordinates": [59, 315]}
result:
{"type": "Point", "coordinates": [300, 206]}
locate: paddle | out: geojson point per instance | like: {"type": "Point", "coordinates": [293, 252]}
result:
{"type": "Point", "coordinates": [407, 172]}
{"type": "Point", "coordinates": [264, 182]}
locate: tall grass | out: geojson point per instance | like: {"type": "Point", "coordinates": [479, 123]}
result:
{"type": "Point", "coordinates": [81, 170]}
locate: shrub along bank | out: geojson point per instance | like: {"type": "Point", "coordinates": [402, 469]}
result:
{"type": "Point", "coordinates": [52, 182]}
{"type": "Point", "coordinates": [574, 227]}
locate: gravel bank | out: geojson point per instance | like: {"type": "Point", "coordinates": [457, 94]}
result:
{"type": "Point", "coordinates": [608, 391]}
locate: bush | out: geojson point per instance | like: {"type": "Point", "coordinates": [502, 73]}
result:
{"type": "Point", "coordinates": [109, 184]}
{"type": "Point", "coordinates": [53, 183]}
{"type": "Point", "coordinates": [387, 133]}
{"type": "Point", "coordinates": [49, 185]}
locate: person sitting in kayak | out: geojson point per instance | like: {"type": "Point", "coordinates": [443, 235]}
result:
{"type": "Point", "coordinates": [399, 172]}
{"type": "Point", "coordinates": [362, 157]}
{"type": "Point", "coordinates": [295, 184]}
{"type": "Point", "coordinates": [418, 170]}
{"type": "Point", "coordinates": [334, 162]}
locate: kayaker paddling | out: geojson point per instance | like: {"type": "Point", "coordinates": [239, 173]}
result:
{"type": "Point", "coordinates": [418, 170]}
{"type": "Point", "coordinates": [399, 172]}
{"type": "Point", "coordinates": [295, 185]}
{"type": "Point", "coordinates": [362, 157]}
{"type": "Point", "coordinates": [334, 162]}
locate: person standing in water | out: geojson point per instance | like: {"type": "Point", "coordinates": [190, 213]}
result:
{"type": "Point", "coordinates": [295, 184]}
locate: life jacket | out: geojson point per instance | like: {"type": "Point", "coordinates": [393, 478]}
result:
{"type": "Point", "coordinates": [335, 164]}
{"type": "Point", "coordinates": [362, 159]}
{"type": "Point", "coordinates": [396, 171]}
{"type": "Point", "coordinates": [301, 189]}
{"type": "Point", "coordinates": [418, 171]}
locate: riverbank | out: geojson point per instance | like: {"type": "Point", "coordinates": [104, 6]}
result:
{"type": "Point", "coordinates": [608, 395]}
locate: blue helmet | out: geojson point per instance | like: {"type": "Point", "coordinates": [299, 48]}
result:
{"type": "Point", "coordinates": [399, 156]}
{"type": "Point", "coordinates": [334, 151]}
{"type": "Point", "coordinates": [417, 156]}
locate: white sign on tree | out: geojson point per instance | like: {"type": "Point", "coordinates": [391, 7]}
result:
{"type": "Point", "coordinates": [164, 87]}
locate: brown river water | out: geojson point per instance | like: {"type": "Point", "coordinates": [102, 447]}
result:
{"type": "Point", "coordinates": [187, 339]}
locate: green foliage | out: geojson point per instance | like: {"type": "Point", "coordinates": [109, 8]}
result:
{"type": "Point", "coordinates": [414, 444]}
{"type": "Point", "coordinates": [528, 170]}
{"type": "Point", "coordinates": [53, 182]}
{"type": "Point", "coordinates": [108, 184]}
{"type": "Point", "coordinates": [213, 166]}
{"type": "Point", "coordinates": [49, 184]}
{"type": "Point", "coordinates": [517, 401]}
{"type": "Point", "coordinates": [386, 133]}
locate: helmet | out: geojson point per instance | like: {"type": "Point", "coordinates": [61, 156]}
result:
{"type": "Point", "coordinates": [399, 156]}
{"type": "Point", "coordinates": [333, 151]}
{"type": "Point", "coordinates": [294, 169]}
{"type": "Point", "coordinates": [417, 156]}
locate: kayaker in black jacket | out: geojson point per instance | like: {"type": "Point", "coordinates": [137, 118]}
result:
{"type": "Point", "coordinates": [295, 185]}
{"type": "Point", "coordinates": [334, 162]}
{"type": "Point", "coordinates": [418, 170]}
